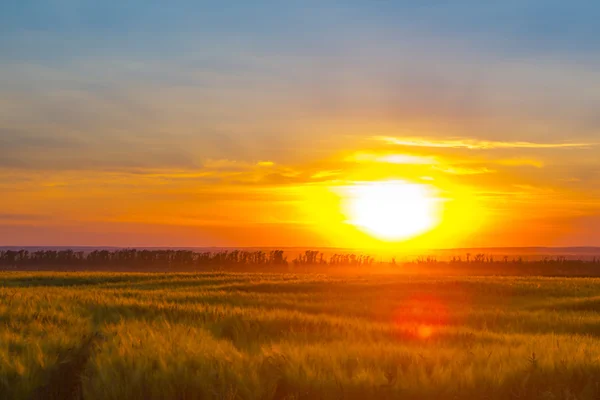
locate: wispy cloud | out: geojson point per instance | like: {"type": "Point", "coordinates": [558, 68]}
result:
{"type": "Point", "coordinates": [456, 170]}
{"type": "Point", "coordinates": [475, 144]}
{"type": "Point", "coordinates": [326, 174]}
{"type": "Point", "coordinates": [520, 162]}
{"type": "Point", "coordinates": [8, 217]}
{"type": "Point", "coordinates": [391, 158]}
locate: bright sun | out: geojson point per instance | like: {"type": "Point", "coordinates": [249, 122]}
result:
{"type": "Point", "coordinates": [392, 210]}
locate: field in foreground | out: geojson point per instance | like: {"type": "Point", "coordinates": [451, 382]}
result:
{"type": "Point", "coordinates": [284, 336]}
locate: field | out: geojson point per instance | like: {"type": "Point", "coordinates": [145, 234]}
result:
{"type": "Point", "coordinates": [297, 336]}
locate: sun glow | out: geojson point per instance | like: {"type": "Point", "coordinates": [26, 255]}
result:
{"type": "Point", "coordinates": [392, 210]}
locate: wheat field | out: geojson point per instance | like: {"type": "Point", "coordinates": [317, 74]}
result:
{"type": "Point", "coordinates": [297, 336]}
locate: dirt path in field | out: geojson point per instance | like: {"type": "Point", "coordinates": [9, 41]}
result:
{"type": "Point", "coordinates": [65, 380]}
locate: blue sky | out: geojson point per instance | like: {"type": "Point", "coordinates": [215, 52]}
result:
{"type": "Point", "coordinates": [555, 27]}
{"type": "Point", "coordinates": [460, 60]}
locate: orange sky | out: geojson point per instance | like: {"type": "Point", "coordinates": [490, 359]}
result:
{"type": "Point", "coordinates": [493, 194]}
{"type": "Point", "coordinates": [183, 127]}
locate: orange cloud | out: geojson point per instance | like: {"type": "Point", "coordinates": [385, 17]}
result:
{"type": "Point", "coordinates": [456, 170]}
{"type": "Point", "coordinates": [365, 157]}
{"type": "Point", "coordinates": [475, 144]}
{"type": "Point", "coordinates": [518, 162]}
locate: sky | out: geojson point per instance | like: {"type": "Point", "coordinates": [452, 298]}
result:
{"type": "Point", "coordinates": [238, 123]}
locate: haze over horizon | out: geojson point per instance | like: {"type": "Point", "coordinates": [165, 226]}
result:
{"type": "Point", "coordinates": [265, 124]}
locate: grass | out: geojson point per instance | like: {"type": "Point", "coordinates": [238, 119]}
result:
{"type": "Point", "coordinates": [284, 336]}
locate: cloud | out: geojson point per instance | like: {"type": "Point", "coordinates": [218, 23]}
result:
{"type": "Point", "coordinates": [326, 174]}
{"type": "Point", "coordinates": [519, 162]}
{"type": "Point", "coordinates": [390, 158]}
{"type": "Point", "coordinates": [36, 149]}
{"type": "Point", "coordinates": [18, 218]}
{"type": "Point", "coordinates": [476, 144]}
{"type": "Point", "coordinates": [226, 165]}
{"type": "Point", "coordinates": [448, 165]}
{"type": "Point", "coordinates": [455, 170]}
{"type": "Point", "coordinates": [18, 140]}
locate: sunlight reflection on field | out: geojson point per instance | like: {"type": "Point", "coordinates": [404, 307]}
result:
{"type": "Point", "coordinates": [425, 331]}
{"type": "Point", "coordinates": [426, 314]}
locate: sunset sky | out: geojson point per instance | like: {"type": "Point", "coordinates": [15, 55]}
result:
{"type": "Point", "coordinates": [251, 123]}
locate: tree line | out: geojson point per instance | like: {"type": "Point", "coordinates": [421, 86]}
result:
{"type": "Point", "coordinates": [143, 259]}
{"type": "Point", "coordinates": [182, 258]}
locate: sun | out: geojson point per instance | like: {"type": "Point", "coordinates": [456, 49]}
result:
{"type": "Point", "coordinates": [392, 210]}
